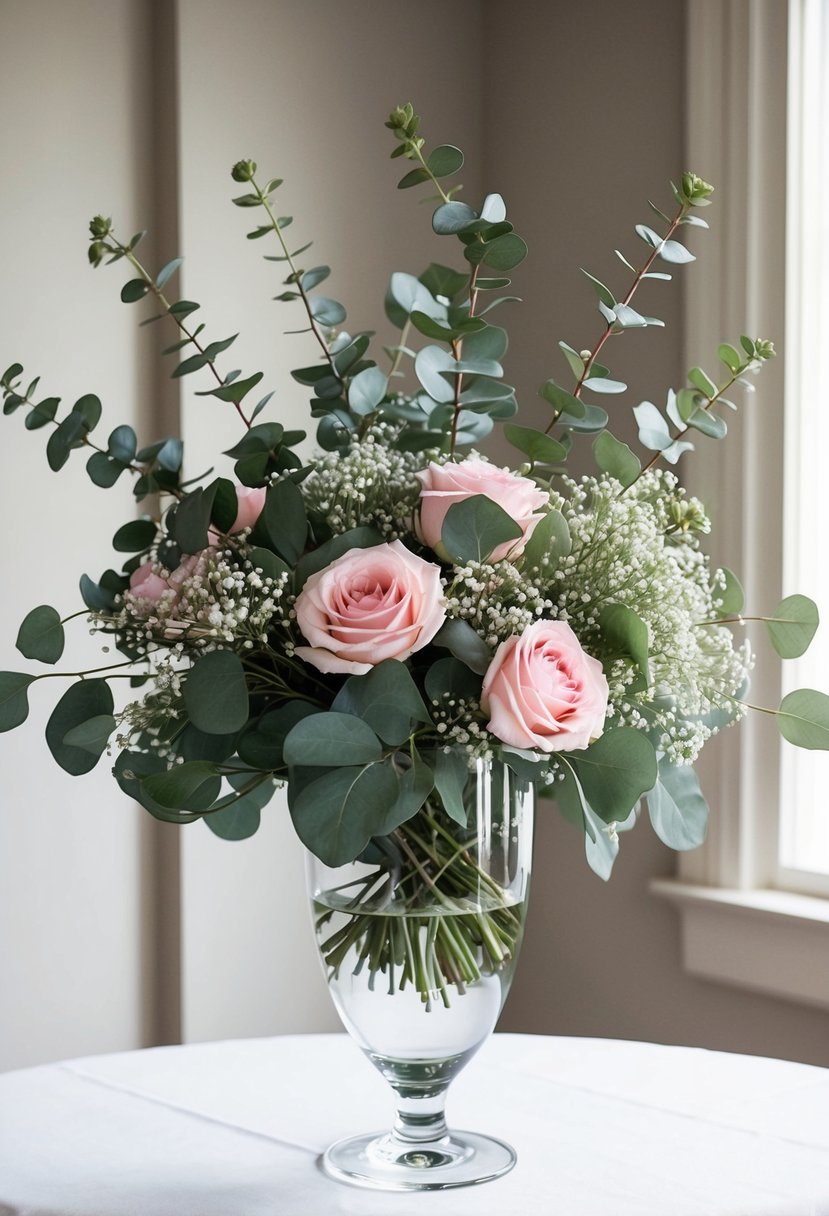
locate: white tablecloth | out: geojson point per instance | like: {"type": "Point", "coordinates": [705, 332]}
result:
{"type": "Point", "coordinates": [602, 1128]}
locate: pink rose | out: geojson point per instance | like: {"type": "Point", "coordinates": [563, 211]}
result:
{"type": "Point", "coordinates": [367, 606]}
{"type": "Point", "coordinates": [250, 503]}
{"type": "Point", "coordinates": [542, 691]}
{"type": "Point", "coordinates": [145, 584]}
{"type": "Point", "coordinates": [445, 484]}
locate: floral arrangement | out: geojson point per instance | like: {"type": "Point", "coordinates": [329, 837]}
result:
{"type": "Point", "coordinates": [366, 622]}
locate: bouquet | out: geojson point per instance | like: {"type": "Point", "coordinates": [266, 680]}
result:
{"type": "Point", "coordinates": [367, 620]}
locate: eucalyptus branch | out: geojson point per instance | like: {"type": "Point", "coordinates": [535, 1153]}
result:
{"type": "Point", "coordinates": [457, 350]}
{"type": "Point", "coordinates": [592, 355]}
{"type": "Point", "coordinates": [706, 408]}
{"type": "Point", "coordinates": [83, 440]}
{"type": "Point", "coordinates": [101, 245]}
{"type": "Point", "coordinates": [295, 276]}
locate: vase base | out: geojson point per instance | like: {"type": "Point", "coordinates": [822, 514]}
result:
{"type": "Point", "coordinates": [387, 1163]}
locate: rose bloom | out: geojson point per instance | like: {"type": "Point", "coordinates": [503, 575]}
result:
{"type": "Point", "coordinates": [145, 584]}
{"type": "Point", "coordinates": [367, 606]}
{"type": "Point", "coordinates": [442, 485]}
{"type": "Point", "coordinates": [542, 691]}
{"type": "Point", "coordinates": [249, 504]}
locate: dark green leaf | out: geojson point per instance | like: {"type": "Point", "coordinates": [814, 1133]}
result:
{"type": "Point", "coordinates": [445, 160]}
{"type": "Point", "coordinates": [460, 638]}
{"type": "Point", "coordinates": [42, 413]}
{"type": "Point", "coordinates": [336, 815]}
{"type": "Point", "coordinates": [134, 290]}
{"type": "Point", "coordinates": [122, 444]}
{"type": "Point", "coordinates": [450, 678]}
{"type": "Point", "coordinates": [451, 777]}
{"type": "Point", "coordinates": [215, 693]}
{"type": "Point", "coordinates": [283, 525]}
{"type": "Point", "coordinates": [415, 785]}
{"type": "Point", "coordinates": [386, 699]}
{"type": "Point", "coordinates": [192, 786]}
{"type": "Point", "coordinates": [14, 699]}
{"type": "Point", "coordinates": [505, 252]}
{"type": "Point", "coordinates": [562, 401]}
{"type": "Point", "coordinates": [82, 701]}
{"type": "Point", "coordinates": [41, 636]}
{"type": "Point", "coordinates": [135, 537]}
{"type": "Point", "coordinates": [91, 736]}
{"type": "Point", "coordinates": [329, 740]}
{"type": "Point", "coordinates": [262, 742]}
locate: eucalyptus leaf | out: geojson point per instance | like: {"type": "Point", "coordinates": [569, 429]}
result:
{"type": "Point", "coordinates": [535, 444]}
{"type": "Point", "coordinates": [215, 693]}
{"type": "Point", "coordinates": [336, 815]}
{"type": "Point", "coordinates": [624, 630]}
{"type": "Point", "coordinates": [803, 719]}
{"type": "Point", "coordinates": [451, 779]}
{"type": "Point", "coordinates": [475, 527]}
{"type": "Point", "coordinates": [41, 635]}
{"type": "Point", "coordinates": [616, 459]}
{"type": "Point", "coordinates": [792, 627]}
{"type": "Point", "coordinates": [549, 541]}
{"type": "Point", "coordinates": [677, 808]}
{"type": "Point", "coordinates": [14, 698]}
{"type": "Point", "coordinates": [85, 700]}
{"type": "Point", "coordinates": [460, 638]}
{"type": "Point", "coordinates": [329, 740]}
{"type": "Point", "coordinates": [615, 771]}
{"type": "Point", "coordinates": [386, 699]}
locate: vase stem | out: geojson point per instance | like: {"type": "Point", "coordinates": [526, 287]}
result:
{"type": "Point", "coordinates": [420, 1115]}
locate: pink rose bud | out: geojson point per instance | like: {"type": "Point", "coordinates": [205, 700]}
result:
{"type": "Point", "coordinates": [445, 484]}
{"type": "Point", "coordinates": [250, 503]}
{"type": "Point", "coordinates": [145, 584]}
{"type": "Point", "coordinates": [542, 691]}
{"type": "Point", "coordinates": [367, 606]}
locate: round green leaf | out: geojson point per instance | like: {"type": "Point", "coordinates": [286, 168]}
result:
{"type": "Point", "coordinates": [41, 635]}
{"type": "Point", "coordinates": [624, 630]}
{"type": "Point", "coordinates": [465, 644]}
{"type": "Point", "coordinates": [505, 252]}
{"type": "Point", "coordinates": [445, 160]}
{"type": "Point", "coordinates": [192, 786]}
{"type": "Point", "coordinates": [535, 444]}
{"type": "Point", "coordinates": [386, 699]}
{"type": "Point", "coordinates": [616, 459]}
{"type": "Point", "coordinates": [475, 527]}
{"type": "Point", "coordinates": [91, 736]}
{"type": "Point", "coordinates": [86, 700]}
{"type": "Point", "coordinates": [549, 541]}
{"type": "Point", "coordinates": [328, 740]}
{"type": "Point", "coordinates": [14, 700]}
{"type": "Point", "coordinates": [239, 821]}
{"type": "Point", "coordinates": [336, 815]}
{"type": "Point", "coordinates": [803, 719]}
{"type": "Point", "coordinates": [792, 627]}
{"type": "Point", "coordinates": [136, 536]}
{"type": "Point", "coordinates": [616, 771]}
{"type": "Point", "coordinates": [134, 290]}
{"type": "Point", "coordinates": [215, 693]}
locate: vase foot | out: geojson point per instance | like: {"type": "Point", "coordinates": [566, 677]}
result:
{"type": "Point", "coordinates": [386, 1162]}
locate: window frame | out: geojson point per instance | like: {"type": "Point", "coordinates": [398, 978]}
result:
{"type": "Point", "coordinates": [737, 925]}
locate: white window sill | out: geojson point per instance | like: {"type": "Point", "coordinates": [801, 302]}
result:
{"type": "Point", "coordinates": [767, 940]}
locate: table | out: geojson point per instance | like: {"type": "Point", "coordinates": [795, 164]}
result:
{"type": "Point", "coordinates": [602, 1128]}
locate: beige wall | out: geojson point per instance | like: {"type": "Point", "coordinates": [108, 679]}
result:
{"type": "Point", "coordinates": [574, 112]}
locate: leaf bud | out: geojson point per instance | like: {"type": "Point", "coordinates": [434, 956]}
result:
{"type": "Point", "coordinates": [695, 189]}
{"type": "Point", "coordinates": [764, 349]}
{"type": "Point", "coordinates": [584, 355]}
{"type": "Point", "coordinates": [99, 226]}
{"type": "Point", "coordinates": [403, 121]}
{"type": "Point", "coordinates": [243, 170]}
{"type": "Point", "coordinates": [97, 252]}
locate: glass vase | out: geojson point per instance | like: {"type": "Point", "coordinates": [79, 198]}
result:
{"type": "Point", "coordinates": [419, 940]}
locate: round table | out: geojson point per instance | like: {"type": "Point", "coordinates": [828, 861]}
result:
{"type": "Point", "coordinates": [602, 1128]}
